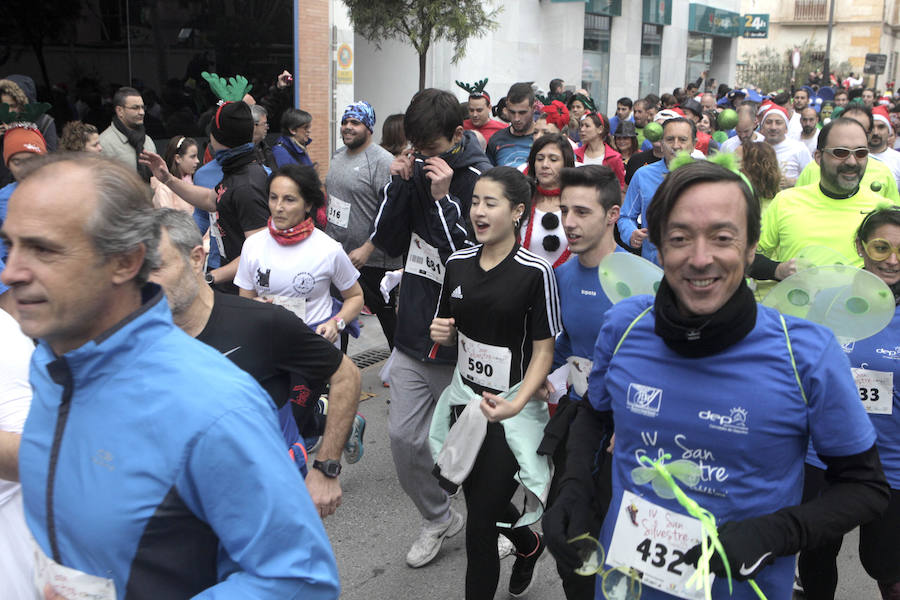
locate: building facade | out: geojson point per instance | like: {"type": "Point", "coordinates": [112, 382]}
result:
{"type": "Point", "coordinates": [612, 48]}
{"type": "Point", "coordinates": [860, 27]}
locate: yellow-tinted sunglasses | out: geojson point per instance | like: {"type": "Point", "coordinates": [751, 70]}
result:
{"type": "Point", "coordinates": [880, 249]}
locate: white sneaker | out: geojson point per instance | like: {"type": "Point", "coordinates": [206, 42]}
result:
{"type": "Point", "coordinates": [504, 547]}
{"type": "Point", "coordinates": [430, 539]}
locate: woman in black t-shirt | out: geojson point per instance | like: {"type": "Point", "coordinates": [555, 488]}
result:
{"type": "Point", "coordinates": [499, 304]}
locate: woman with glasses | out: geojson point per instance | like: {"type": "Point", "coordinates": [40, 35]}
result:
{"type": "Point", "coordinates": [876, 368]}
{"type": "Point", "coordinates": [541, 231]}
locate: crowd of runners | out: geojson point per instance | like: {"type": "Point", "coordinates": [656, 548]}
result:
{"type": "Point", "coordinates": [176, 401]}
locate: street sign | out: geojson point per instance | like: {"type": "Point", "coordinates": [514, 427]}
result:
{"type": "Point", "coordinates": [875, 64]}
{"type": "Point", "coordinates": [755, 25]}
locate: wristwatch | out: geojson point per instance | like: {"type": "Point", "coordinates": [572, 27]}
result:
{"type": "Point", "coordinates": [330, 468]}
{"type": "Point", "coordinates": [340, 324]}
{"type": "Point", "coordinates": [209, 278]}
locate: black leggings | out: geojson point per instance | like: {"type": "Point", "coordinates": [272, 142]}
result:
{"type": "Point", "coordinates": [879, 547]}
{"type": "Point", "coordinates": [489, 489]}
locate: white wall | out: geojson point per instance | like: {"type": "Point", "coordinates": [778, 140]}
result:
{"type": "Point", "coordinates": [536, 41]}
{"type": "Point", "coordinates": [625, 50]}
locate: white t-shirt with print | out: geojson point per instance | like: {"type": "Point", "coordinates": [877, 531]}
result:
{"type": "Point", "coordinates": [303, 270]}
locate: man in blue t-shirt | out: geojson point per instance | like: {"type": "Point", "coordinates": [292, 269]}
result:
{"type": "Point", "coordinates": [510, 147]}
{"type": "Point", "coordinates": [590, 200]}
{"type": "Point", "coordinates": [724, 394]}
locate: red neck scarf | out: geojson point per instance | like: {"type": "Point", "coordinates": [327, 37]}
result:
{"type": "Point", "coordinates": [526, 243]}
{"type": "Point", "coordinates": [543, 192]}
{"type": "Point", "coordinates": [293, 235]}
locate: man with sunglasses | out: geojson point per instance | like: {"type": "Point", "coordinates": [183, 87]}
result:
{"type": "Point", "coordinates": [828, 212]}
{"type": "Point", "coordinates": [877, 177]}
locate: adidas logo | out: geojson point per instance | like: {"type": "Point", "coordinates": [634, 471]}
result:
{"type": "Point", "coordinates": [457, 293]}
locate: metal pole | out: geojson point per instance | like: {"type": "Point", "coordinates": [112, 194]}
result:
{"type": "Point", "coordinates": [128, 38]}
{"type": "Point", "coordinates": [827, 65]}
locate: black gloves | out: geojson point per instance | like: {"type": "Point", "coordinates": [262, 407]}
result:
{"type": "Point", "coordinates": [570, 515]}
{"type": "Point", "coordinates": [750, 545]}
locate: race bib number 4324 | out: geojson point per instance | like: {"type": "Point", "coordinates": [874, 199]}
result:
{"type": "Point", "coordinates": [654, 540]}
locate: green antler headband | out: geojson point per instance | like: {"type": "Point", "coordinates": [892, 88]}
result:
{"type": "Point", "coordinates": [231, 90]}
{"type": "Point", "coordinates": [30, 113]}
{"type": "Point", "coordinates": [475, 89]}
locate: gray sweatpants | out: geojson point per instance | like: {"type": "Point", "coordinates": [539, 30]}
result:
{"type": "Point", "coordinates": [415, 389]}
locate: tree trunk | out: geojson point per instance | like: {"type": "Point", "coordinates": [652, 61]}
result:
{"type": "Point", "coordinates": [422, 56]}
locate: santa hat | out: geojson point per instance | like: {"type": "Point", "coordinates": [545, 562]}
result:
{"type": "Point", "coordinates": [668, 113]}
{"type": "Point", "coordinates": [880, 113]}
{"type": "Point", "coordinates": [22, 137]}
{"type": "Point", "coordinates": [768, 109]}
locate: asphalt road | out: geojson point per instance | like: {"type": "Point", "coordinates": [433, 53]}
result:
{"type": "Point", "coordinates": [376, 524]}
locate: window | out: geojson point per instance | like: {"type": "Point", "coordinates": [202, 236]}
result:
{"type": "Point", "coordinates": [651, 47]}
{"type": "Point", "coordinates": [595, 65]}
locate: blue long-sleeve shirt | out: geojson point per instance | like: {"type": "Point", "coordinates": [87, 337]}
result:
{"type": "Point", "coordinates": [637, 199]}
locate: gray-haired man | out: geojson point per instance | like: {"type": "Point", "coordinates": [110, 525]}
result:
{"type": "Point", "coordinates": [135, 484]}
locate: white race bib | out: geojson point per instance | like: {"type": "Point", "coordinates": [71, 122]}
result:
{"type": "Point", "coordinates": [653, 540]}
{"type": "Point", "coordinates": [423, 260]}
{"type": "Point", "coordinates": [292, 303]}
{"type": "Point", "coordinates": [67, 582]}
{"type": "Point", "coordinates": [338, 212]}
{"type": "Point", "coordinates": [484, 364]}
{"type": "Point", "coordinates": [579, 369]}
{"type": "Point", "coordinates": [876, 390]}
{"type": "Point", "coordinates": [215, 233]}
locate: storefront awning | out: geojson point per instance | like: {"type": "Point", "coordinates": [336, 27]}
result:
{"type": "Point", "coordinates": [713, 21]}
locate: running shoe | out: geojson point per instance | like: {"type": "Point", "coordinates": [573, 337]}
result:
{"type": "Point", "coordinates": [353, 449]}
{"type": "Point", "coordinates": [430, 539]}
{"type": "Point", "coordinates": [523, 570]}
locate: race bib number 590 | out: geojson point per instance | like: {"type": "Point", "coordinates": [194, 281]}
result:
{"type": "Point", "coordinates": [654, 540]}
{"type": "Point", "coordinates": [484, 364]}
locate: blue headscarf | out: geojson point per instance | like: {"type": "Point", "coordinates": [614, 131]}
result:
{"type": "Point", "coordinates": [363, 112]}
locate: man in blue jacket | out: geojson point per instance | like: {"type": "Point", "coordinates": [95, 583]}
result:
{"type": "Point", "coordinates": [151, 466]}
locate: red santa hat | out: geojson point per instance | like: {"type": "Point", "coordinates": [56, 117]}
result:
{"type": "Point", "coordinates": [880, 113]}
{"type": "Point", "coordinates": [768, 109]}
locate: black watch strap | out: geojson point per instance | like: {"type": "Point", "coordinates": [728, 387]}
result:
{"type": "Point", "coordinates": [330, 468]}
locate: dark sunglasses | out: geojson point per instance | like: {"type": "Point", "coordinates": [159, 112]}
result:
{"type": "Point", "coordinates": [842, 153]}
